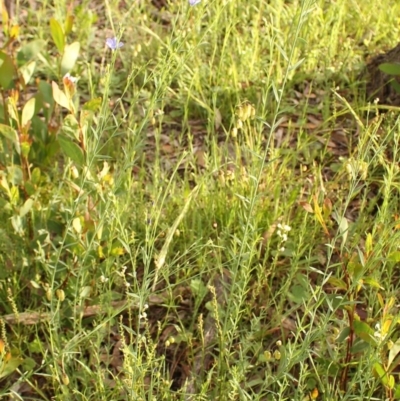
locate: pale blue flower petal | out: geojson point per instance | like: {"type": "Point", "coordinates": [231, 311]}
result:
{"type": "Point", "coordinates": [113, 43]}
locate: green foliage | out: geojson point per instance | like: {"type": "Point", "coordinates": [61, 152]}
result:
{"type": "Point", "coordinates": [394, 70]}
{"type": "Point", "coordinates": [200, 215]}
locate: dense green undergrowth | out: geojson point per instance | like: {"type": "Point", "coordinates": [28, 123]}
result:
{"type": "Point", "coordinates": [205, 208]}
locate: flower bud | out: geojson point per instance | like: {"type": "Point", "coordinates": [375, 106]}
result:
{"type": "Point", "coordinates": [60, 294]}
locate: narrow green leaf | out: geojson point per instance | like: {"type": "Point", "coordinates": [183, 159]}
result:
{"type": "Point", "coordinates": [77, 225]}
{"type": "Point", "coordinates": [394, 256]}
{"type": "Point", "coordinates": [30, 188]}
{"type": "Point", "coordinates": [25, 148]}
{"type": "Point", "coordinates": [30, 51]}
{"type": "Point", "coordinates": [5, 18]}
{"type": "Point", "coordinates": [68, 24]}
{"type": "Point", "coordinates": [338, 283]}
{"type": "Point", "coordinates": [57, 34]}
{"type": "Point", "coordinates": [360, 346]}
{"type": "Point", "coordinates": [60, 97]}
{"type": "Point", "coordinates": [71, 54]}
{"type": "Point", "coordinates": [27, 206]}
{"type": "Point", "coordinates": [343, 229]}
{"type": "Point", "coordinates": [7, 70]}
{"type": "Point", "coordinates": [46, 90]}
{"type": "Point", "coordinates": [70, 127]}
{"type": "Point", "coordinates": [365, 332]}
{"type": "Point", "coordinates": [85, 291]}
{"type": "Point", "coordinates": [159, 262]}
{"type": "Point", "coordinates": [16, 177]}
{"type": "Point", "coordinates": [372, 282]}
{"type": "Point", "coordinates": [391, 382]}
{"type": "Point", "coordinates": [93, 104]}
{"type": "Point", "coordinates": [71, 149]}
{"type": "Point", "coordinates": [390, 68]}
{"type": "Point", "coordinates": [381, 373]}
{"type": "Point", "coordinates": [355, 268]}
{"type": "Point", "coordinates": [18, 227]}
{"type": "Point", "coordinates": [396, 85]}
{"type": "Point", "coordinates": [10, 366]}
{"type": "Point", "coordinates": [253, 383]}
{"type": "Point", "coordinates": [397, 393]}
{"type": "Point", "coordinates": [27, 71]}
{"type": "Point", "coordinates": [368, 244]}
{"type": "Point", "coordinates": [344, 334]}
{"type": "Point", "coordinates": [9, 133]}
{"type": "Point", "coordinates": [35, 177]}
{"type": "Point", "coordinates": [394, 351]}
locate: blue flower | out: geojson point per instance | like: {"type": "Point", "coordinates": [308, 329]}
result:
{"type": "Point", "coordinates": [113, 43]}
{"type": "Point", "coordinates": [194, 2]}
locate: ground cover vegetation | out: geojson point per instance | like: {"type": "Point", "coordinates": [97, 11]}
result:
{"type": "Point", "coordinates": [197, 201]}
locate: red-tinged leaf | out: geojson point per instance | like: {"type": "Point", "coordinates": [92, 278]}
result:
{"type": "Point", "coordinates": [307, 207]}
{"type": "Point", "coordinates": [57, 35]}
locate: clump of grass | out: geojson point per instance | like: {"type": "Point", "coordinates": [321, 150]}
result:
{"type": "Point", "coordinates": [190, 219]}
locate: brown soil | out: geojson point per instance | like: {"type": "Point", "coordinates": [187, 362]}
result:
{"type": "Point", "coordinates": [378, 83]}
